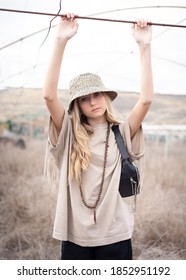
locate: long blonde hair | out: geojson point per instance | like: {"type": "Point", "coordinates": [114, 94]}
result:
{"type": "Point", "coordinates": [82, 131]}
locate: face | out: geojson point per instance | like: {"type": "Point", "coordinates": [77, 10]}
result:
{"type": "Point", "coordinates": [93, 106]}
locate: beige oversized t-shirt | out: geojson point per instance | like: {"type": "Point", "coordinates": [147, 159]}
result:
{"type": "Point", "coordinates": [114, 214]}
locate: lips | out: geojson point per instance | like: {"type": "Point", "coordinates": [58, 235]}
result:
{"type": "Point", "coordinates": [95, 110]}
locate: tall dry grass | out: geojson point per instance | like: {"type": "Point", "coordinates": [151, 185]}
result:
{"type": "Point", "coordinates": [161, 216]}
{"type": "Point", "coordinates": [27, 205]}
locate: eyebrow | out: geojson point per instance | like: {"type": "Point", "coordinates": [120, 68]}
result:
{"type": "Point", "coordinates": [81, 97]}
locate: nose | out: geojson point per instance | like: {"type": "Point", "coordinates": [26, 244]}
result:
{"type": "Point", "coordinates": [92, 100]}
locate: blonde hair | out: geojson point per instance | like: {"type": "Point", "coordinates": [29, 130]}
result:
{"type": "Point", "coordinates": [82, 131]}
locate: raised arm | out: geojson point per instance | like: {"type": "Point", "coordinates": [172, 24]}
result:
{"type": "Point", "coordinates": [66, 29]}
{"type": "Point", "coordinates": [142, 34]}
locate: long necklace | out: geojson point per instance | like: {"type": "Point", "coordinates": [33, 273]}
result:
{"type": "Point", "coordinates": [94, 206]}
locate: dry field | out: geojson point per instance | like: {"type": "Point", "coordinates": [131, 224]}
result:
{"type": "Point", "coordinates": [27, 205]}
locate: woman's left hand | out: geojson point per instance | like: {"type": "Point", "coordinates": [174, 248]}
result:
{"type": "Point", "coordinates": [142, 32]}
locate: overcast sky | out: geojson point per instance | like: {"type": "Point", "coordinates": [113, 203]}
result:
{"type": "Point", "coordinates": [102, 47]}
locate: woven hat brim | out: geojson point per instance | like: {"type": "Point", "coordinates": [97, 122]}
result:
{"type": "Point", "coordinates": [112, 94]}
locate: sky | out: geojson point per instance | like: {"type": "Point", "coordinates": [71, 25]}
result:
{"type": "Point", "coordinates": [105, 48]}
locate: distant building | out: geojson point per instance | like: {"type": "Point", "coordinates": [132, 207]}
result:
{"type": "Point", "coordinates": [165, 133]}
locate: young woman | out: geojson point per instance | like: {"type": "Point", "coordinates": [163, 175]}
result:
{"type": "Point", "coordinates": [92, 219]}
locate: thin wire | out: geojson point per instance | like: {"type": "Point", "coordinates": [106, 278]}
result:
{"type": "Point", "coordinates": [50, 24]}
{"type": "Point", "coordinates": [92, 18]}
{"type": "Point", "coordinates": [138, 7]}
{"type": "Point", "coordinates": [23, 38]}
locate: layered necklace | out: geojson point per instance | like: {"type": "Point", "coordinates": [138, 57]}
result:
{"type": "Point", "coordinates": [94, 206]}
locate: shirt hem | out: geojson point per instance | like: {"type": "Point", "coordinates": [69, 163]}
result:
{"type": "Point", "coordinates": [92, 243]}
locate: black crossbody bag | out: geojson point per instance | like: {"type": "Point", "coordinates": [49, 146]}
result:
{"type": "Point", "coordinates": [130, 179]}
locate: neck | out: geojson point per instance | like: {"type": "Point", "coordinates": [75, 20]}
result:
{"type": "Point", "coordinates": [97, 120]}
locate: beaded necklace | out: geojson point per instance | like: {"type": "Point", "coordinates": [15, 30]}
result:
{"type": "Point", "coordinates": [94, 206]}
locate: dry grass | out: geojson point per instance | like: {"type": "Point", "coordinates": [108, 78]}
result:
{"type": "Point", "coordinates": [161, 216]}
{"type": "Point", "coordinates": [27, 205]}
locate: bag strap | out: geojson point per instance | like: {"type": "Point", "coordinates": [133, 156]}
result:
{"type": "Point", "coordinates": [120, 142]}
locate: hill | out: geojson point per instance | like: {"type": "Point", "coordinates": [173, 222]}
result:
{"type": "Point", "coordinates": [27, 104]}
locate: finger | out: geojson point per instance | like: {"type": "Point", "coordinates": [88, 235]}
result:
{"type": "Point", "coordinates": [60, 19]}
{"type": "Point", "coordinates": [142, 22]}
{"type": "Point", "coordinates": [63, 17]}
{"type": "Point", "coordinates": [76, 22]}
{"type": "Point", "coordinates": [67, 16]}
{"type": "Point", "coordinates": [134, 26]}
{"type": "Point", "coordinates": [149, 23]}
{"type": "Point", "coordinates": [70, 17]}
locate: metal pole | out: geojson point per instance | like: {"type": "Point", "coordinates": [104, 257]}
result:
{"type": "Point", "coordinates": [92, 18]}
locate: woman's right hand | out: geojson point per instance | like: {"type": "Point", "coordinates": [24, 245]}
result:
{"type": "Point", "coordinates": [67, 27]}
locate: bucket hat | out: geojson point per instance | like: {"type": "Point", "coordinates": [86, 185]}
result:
{"type": "Point", "coordinates": [85, 84]}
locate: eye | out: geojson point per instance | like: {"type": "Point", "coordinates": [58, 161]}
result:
{"type": "Point", "coordinates": [97, 94]}
{"type": "Point", "coordinates": [83, 99]}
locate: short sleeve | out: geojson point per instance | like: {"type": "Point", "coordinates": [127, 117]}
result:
{"type": "Point", "coordinates": [58, 145]}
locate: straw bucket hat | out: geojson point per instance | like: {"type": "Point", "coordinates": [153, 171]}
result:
{"type": "Point", "coordinates": [85, 84]}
